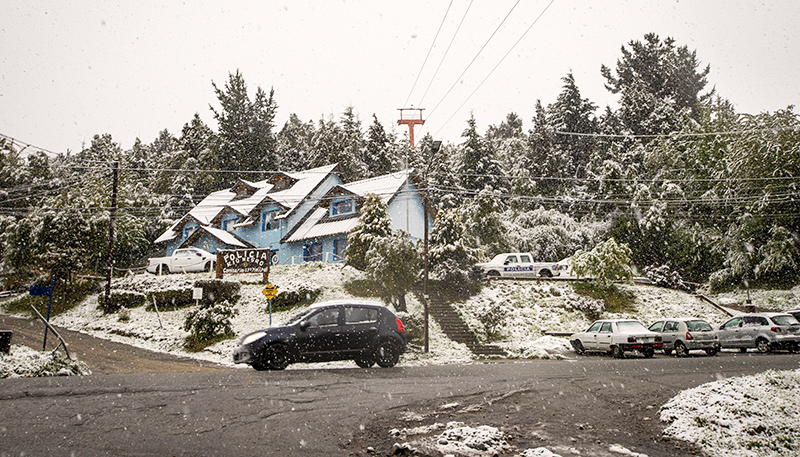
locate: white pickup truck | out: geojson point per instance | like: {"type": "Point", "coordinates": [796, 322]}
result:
{"type": "Point", "coordinates": [521, 265]}
{"type": "Point", "coordinates": [185, 260]}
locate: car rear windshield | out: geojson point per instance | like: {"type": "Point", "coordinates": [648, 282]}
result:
{"type": "Point", "coordinates": [631, 326]}
{"type": "Point", "coordinates": [785, 319]}
{"type": "Point", "coordinates": [698, 326]}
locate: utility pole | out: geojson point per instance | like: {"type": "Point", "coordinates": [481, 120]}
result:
{"type": "Point", "coordinates": [113, 216]}
{"type": "Point", "coordinates": [410, 122]}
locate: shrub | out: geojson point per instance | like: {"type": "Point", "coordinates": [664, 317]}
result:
{"type": "Point", "coordinates": [218, 290]}
{"type": "Point", "coordinates": [170, 298]}
{"type": "Point", "coordinates": [296, 293]}
{"type": "Point", "coordinates": [414, 326]}
{"type": "Point", "coordinates": [123, 299]}
{"type": "Point", "coordinates": [593, 309]}
{"type": "Point", "coordinates": [664, 276]}
{"type": "Point", "coordinates": [208, 324]}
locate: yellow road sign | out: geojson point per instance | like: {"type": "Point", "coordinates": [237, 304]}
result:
{"type": "Point", "coordinates": [270, 291]}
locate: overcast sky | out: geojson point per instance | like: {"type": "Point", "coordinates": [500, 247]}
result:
{"type": "Point", "coordinates": [70, 70]}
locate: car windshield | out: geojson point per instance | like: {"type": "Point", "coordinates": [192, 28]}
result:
{"type": "Point", "coordinates": [299, 316]}
{"type": "Point", "coordinates": [785, 319]}
{"type": "Point", "coordinates": [631, 327]}
{"type": "Point", "coordinates": [698, 326]}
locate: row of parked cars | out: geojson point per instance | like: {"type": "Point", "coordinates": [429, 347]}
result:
{"type": "Point", "coordinates": [764, 332]}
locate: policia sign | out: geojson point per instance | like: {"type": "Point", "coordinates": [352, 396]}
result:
{"type": "Point", "coordinates": [243, 261]}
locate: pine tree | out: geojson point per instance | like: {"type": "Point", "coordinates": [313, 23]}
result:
{"type": "Point", "coordinates": [658, 84]}
{"type": "Point", "coordinates": [246, 137]}
{"type": "Point", "coordinates": [478, 166]}
{"type": "Point", "coordinates": [394, 263]}
{"type": "Point", "coordinates": [294, 144]}
{"type": "Point", "coordinates": [373, 223]}
{"type": "Point", "coordinates": [379, 157]}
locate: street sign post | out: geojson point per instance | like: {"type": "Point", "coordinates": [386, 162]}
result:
{"type": "Point", "coordinates": [44, 291]}
{"type": "Point", "coordinates": [270, 292]}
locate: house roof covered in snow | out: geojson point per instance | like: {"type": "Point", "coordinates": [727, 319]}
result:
{"type": "Point", "coordinates": [287, 190]}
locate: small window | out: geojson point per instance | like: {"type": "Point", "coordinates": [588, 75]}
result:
{"type": "Point", "coordinates": [268, 221]}
{"type": "Point", "coordinates": [671, 327]}
{"type": "Point", "coordinates": [525, 259]}
{"type": "Point", "coordinates": [312, 252]}
{"type": "Point", "coordinates": [338, 248]}
{"type": "Point", "coordinates": [606, 327]}
{"type": "Point", "coordinates": [227, 224]}
{"type": "Point", "coordinates": [342, 207]}
{"type": "Point", "coordinates": [511, 259]}
{"type": "Point", "coordinates": [360, 315]}
{"type": "Point", "coordinates": [595, 327]}
{"type": "Point", "coordinates": [187, 231]}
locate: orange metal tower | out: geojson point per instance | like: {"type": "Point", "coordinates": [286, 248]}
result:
{"type": "Point", "coordinates": [410, 122]}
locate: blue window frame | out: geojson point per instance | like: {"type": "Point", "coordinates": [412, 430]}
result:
{"type": "Point", "coordinates": [339, 246]}
{"type": "Point", "coordinates": [188, 231]}
{"type": "Point", "coordinates": [343, 206]}
{"type": "Point", "coordinates": [268, 221]}
{"type": "Point", "coordinates": [312, 252]}
{"type": "Point", "coordinates": [227, 224]}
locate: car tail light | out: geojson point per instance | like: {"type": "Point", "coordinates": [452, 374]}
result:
{"type": "Point", "coordinates": [715, 336]}
{"type": "Point", "coordinates": [689, 336]}
{"type": "Point", "coordinates": [658, 339]}
{"type": "Point", "coordinates": [776, 329]}
{"type": "Point", "coordinates": [400, 328]}
{"type": "Point", "coordinates": [631, 339]}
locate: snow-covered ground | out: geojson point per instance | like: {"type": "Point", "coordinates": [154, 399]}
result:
{"type": "Point", "coordinates": [514, 315]}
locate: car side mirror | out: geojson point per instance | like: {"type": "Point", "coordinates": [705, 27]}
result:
{"type": "Point", "coordinates": [505, 263]}
{"type": "Point", "coordinates": [305, 325]}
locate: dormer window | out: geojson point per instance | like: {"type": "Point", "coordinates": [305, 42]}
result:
{"type": "Point", "coordinates": [227, 224]}
{"type": "Point", "coordinates": [342, 206]}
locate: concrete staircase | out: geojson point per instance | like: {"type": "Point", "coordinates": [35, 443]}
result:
{"type": "Point", "coordinates": [453, 326]}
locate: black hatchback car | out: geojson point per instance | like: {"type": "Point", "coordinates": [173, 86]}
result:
{"type": "Point", "coordinates": [336, 330]}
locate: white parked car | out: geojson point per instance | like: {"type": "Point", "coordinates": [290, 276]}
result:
{"type": "Point", "coordinates": [686, 334]}
{"type": "Point", "coordinates": [521, 265]}
{"type": "Point", "coordinates": [185, 260]}
{"type": "Point", "coordinates": [762, 331]}
{"type": "Point", "coordinates": [616, 336]}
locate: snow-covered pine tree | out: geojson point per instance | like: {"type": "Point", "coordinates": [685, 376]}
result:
{"type": "Point", "coordinates": [373, 223]}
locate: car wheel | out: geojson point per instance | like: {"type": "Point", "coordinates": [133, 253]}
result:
{"type": "Point", "coordinates": [276, 356]}
{"type": "Point", "coordinates": [365, 363]}
{"type": "Point", "coordinates": [649, 352]}
{"type": "Point", "coordinates": [617, 353]}
{"type": "Point", "coordinates": [207, 267]}
{"type": "Point", "coordinates": [493, 274]}
{"type": "Point", "coordinates": [545, 274]}
{"type": "Point", "coordinates": [387, 354]}
{"type": "Point", "coordinates": [163, 269]}
{"type": "Point", "coordinates": [762, 345]}
{"type": "Point", "coordinates": [680, 350]}
{"type": "Point", "coordinates": [260, 366]}
{"type": "Point", "coordinates": [579, 349]}
{"type": "Point", "coordinates": [712, 351]}
{"type": "Point", "coordinates": [667, 351]}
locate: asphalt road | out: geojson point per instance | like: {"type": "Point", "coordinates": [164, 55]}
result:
{"type": "Point", "coordinates": [582, 406]}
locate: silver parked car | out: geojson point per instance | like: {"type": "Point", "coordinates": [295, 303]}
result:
{"type": "Point", "coordinates": [616, 336]}
{"type": "Point", "coordinates": [686, 334]}
{"type": "Point", "coordinates": [763, 331]}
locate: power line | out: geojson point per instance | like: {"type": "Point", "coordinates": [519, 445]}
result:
{"type": "Point", "coordinates": [428, 55]}
{"type": "Point", "coordinates": [675, 134]}
{"type": "Point", "coordinates": [446, 51]}
{"type": "Point", "coordinates": [27, 145]}
{"type": "Point", "coordinates": [495, 67]}
{"type": "Point", "coordinates": [474, 58]}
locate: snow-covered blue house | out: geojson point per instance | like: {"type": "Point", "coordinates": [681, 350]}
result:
{"type": "Point", "coordinates": [300, 216]}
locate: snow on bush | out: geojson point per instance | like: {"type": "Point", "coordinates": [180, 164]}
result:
{"type": "Point", "coordinates": [24, 362]}
{"type": "Point", "coordinates": [744, 416]}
